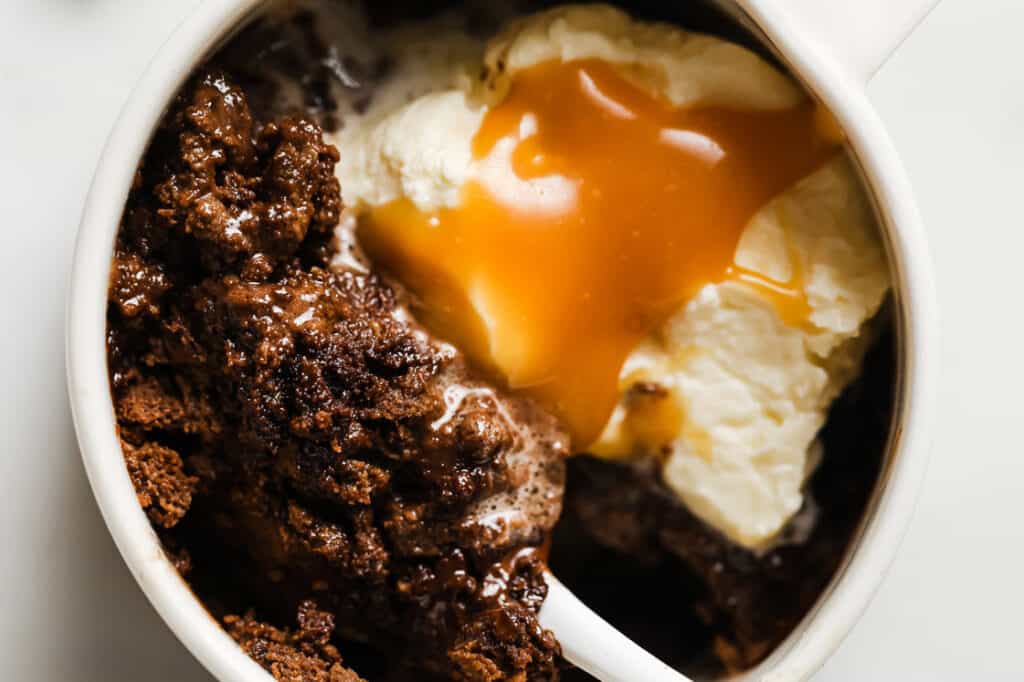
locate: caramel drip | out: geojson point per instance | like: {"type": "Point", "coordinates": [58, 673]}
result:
{"type": "Point", "coordinates": [594, 211]}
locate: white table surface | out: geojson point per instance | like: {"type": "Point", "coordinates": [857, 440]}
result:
{"type": "Point", "coordinates": [953, 98]}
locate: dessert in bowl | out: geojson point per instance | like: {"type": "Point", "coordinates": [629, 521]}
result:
{"type": "Point", "coordinates": [402, 310]}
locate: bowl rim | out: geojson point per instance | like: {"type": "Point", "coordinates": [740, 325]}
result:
{"type": "Point", "coordinates": [850, 591]}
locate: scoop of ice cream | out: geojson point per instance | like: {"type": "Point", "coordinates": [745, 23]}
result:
{"type": "Point", "coordinates": [730, 393]}
{"type": "Point", "coordinates": [732, 389]}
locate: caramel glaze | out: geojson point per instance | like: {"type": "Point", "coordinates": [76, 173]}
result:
{"type": "Point", "coordinates": [594, 211]}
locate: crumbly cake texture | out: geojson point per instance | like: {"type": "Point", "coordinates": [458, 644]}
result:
{"type": "Point", "coordinates": [305, 653]}
{"type": "Point", "coordinates": [283, 426]}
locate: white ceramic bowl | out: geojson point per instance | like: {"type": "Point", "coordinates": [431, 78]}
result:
{"type": "Point", "coordinates": [833, 46]}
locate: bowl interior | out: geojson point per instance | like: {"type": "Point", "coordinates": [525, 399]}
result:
{"type": "Point", "coordinates": [205, 33]}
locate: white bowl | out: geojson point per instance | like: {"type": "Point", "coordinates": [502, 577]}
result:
{"type": "Point", "coordinates": [796, 31]}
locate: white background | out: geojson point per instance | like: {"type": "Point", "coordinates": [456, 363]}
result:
{"type": "Point", "coordinates": [953, 99]}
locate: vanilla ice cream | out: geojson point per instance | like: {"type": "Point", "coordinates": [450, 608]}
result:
{"type": "Point", "coordinates": [750, 390]}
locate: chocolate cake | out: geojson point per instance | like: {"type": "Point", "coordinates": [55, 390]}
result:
{"type": "Point", "coordinates": [290, 435]}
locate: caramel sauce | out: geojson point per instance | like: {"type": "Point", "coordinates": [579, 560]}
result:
{"type": "Point", "coordinates": [593, 212]}
{"type": "Point", "coordinates": [789, 297]}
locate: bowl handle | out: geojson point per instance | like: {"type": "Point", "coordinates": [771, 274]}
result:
{"type": "Point", "coordinates": [860, 34]}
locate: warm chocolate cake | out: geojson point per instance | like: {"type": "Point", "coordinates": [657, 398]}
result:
{"type": "Point", "coordinates": [292, 437]}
